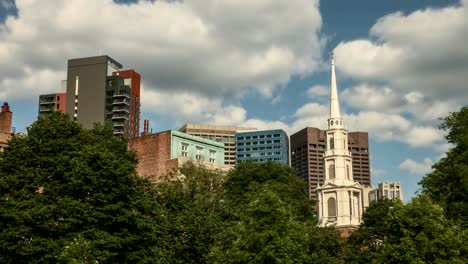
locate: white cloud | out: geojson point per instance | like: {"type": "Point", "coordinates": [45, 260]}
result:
{"type": "Point", "coordinates": [201, 47]}
{"type": "Point", "coordinates": [422, 53]}
{"type": "Point", "coordinates": [417, 167]}
{"type": "Point", "coordinates": [375, 172]}
{"type": "Point", "coordinates": [317, 91]}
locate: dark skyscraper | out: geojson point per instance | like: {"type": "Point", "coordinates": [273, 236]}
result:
{"type": "Point", "coordinates": [307, 150]}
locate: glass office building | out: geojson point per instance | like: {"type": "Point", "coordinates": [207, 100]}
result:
{"type": "Point", "coordinates": [260, 146]}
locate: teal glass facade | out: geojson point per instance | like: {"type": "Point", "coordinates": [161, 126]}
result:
{"type": "Point", "coordinates": [260, 146]}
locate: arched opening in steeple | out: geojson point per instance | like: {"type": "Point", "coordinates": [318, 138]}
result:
{"type": "Point", "coordinates": [331, 205]}
{"type": "Point", "coordinates": [331, 171]}
{"type": "Point", "coordinates": [332, 143]}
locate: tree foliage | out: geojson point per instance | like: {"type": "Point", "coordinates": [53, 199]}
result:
{"type": "Point", "coordinates": [448, 183]}
{"type": "Point", "coordinates": [62, 185]}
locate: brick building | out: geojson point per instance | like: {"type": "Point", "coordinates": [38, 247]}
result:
{"type": "Point", "coordinates": [308, 147]}
{"type": "Point", "coordinates": [52, 102]}
{"type": "Point", "coordinates": [165, 151]}
{"type": "Point", "coordinates": [5, 126]}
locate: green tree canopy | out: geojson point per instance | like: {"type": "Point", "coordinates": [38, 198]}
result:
{"type": "Point", "coordinates": [63, 186]}
{"type": "Point", "coordinates": [448, 183]}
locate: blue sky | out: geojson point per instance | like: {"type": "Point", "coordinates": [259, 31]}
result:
{"type": "Point", "coordinates": [400, 65]}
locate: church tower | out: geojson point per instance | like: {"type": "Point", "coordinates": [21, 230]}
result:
{"type": "Point", "coordinates": [340, 197]}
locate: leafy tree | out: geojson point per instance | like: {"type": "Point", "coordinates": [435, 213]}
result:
{"type": "Point", "coordinates": [365, 243]}
{"type": "Point", "coordinates": [64, 189]}
{"type": "Point", "coordinates": [448, 183]}
{"type": "Point", "coordinates": [192, 202]}
{"type": "Point", "coordinates": [270, 220]}
{"type": "Point", "coordinates": [420, 233]}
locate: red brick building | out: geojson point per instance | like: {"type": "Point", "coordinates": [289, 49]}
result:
{"type": "Point", "coordinates": [5, 126]}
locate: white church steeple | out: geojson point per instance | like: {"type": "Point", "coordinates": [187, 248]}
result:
{"type": "Point", "coordinates": [340, 197]}
{"type": "Point", "coordinates": [335, 119]}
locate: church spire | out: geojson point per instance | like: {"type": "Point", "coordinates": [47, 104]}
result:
{"type": "Point", "coordinates": [334, 103]}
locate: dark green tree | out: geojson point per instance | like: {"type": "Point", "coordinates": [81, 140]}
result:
{"type": "Point", "coordinates": [365, 243]}
{"type": "Point", "coordinates": [448, 183]}
{"type": "Point", "coordinates": [192, 202]}
{"type": "Point", "coordinates": [68, 194]}
{"type": "Point", "coordinates": [270, 220]}
{"type": "Point", "coordinates": [420, 233]}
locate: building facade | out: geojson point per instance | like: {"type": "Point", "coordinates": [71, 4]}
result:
{"type": "Point", "coordinates": [223, 134]}
{"type": "Point", "coordinates": [52, 102]}
{"type": "Point", "coordinates": [163, 152]}
{"type": "Point", "coordinates": [260, 146]}
{"type": "Point", "coordinates": [6, 131]}
{"type": "Point", "coordinates": [98, 92]}
{"type": "Point", "coordinates": [340, 199]}
{"type": "Point", "coordinates": [308, 147]}
{"type": "Point", "coordinates": [389, 190]}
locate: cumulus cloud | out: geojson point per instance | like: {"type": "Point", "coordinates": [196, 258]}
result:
{"type": "Point", "coordinates": [415, 167]}
{"type": "Point", "coordinates": [420, 53]}
{"type": "Point", "coordinates": [317, 91]}
{"type": "Point", "coordinates": [197, 46]}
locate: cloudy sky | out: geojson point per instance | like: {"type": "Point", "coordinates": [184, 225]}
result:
{"type": "Point", "coordinates": [401, 65]}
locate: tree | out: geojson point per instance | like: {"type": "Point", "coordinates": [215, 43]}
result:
{"type": "Point", "coordinates": [448, 183]}
{"type": "Point", "coordinates": [365, 243]}
{"type": "Point", "coordinates": [192, 202]}
{"type": "Point", "coordinates": [420, 233]}
{"type": "Point", "coordinates": [270, 220]}
{"type": "Point", "coordinates": [63, 186]}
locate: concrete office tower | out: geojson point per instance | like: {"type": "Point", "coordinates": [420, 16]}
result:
{"type": "Point", "coordinates": [52, 102]}
{"type": "Point", "coordinates": [163, 152]}
{"type": "Point", "coordinates": [224, 134]}
{"type": "Point", "coordinates": [93, 96]}
{"type": "Point", "coordinates": [260, 146]}
{"type": "Point", "coordinates": [389, 190]}
{"type": "Point", "coordinates": [307, 150]}
{"type": "Point", "coordinates": [5, 126]}
{"type": "Point", "coordinates": [340, 197]}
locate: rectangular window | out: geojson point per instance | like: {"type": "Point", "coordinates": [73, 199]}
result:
{"type": "Point", "coordinates": [184, 150]}
{"type": "Point", "coordinates": [199, 153]}
{"type": "Point", "coordinates": [212, 156]}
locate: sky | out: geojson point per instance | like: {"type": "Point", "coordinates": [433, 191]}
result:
{"type": "Point", "coordinates": [401, 65]}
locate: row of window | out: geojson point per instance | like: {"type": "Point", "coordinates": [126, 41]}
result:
{"type": "Point", "coordinates": [259, 136]}
{"type": "Point", "coordinates": [258, 142]}
{"type": "Point", "coordinates": [248, 155]}
{"type": "Point", "coordinates": [259, 148]}
{"type": "Point", "coordinates": [198, 153]}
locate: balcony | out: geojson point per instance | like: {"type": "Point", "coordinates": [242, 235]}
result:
{"type": "Point", "coordinates": [121, 101]}
{"type": "Point", "coordinates": [120, 110]}
{"type": "Point", "coordinates": [121, 95]}
{"type": "Point", "coordinates": [118, 124]}
{"type": "Point", "coordinates": [120, 116]}
{"type": "Point", "coordinates": [46, 102]}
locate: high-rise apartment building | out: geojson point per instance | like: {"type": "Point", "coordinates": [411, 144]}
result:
{"type": "Point", "coordinates": [52, 102]}
{"type": "Point", "coordinates": [308, 147]}
{"type": "Point", "coordinates": [260, 146]}
{"type": "Point", "coordinates": [224, 134]}
{"type": "Point", "coordinates": [97, 92]}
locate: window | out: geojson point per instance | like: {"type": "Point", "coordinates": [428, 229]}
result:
{"type": "Point", "coordinates": [199, 153]}
{"type": "Point", "coordinates": [212, 156]}
{"type": "Point", "coordinates": [184, 150]}
{"type": "Point", "coordinates": [58, 106]}
{"type": "Point", "coordinates": [347, 172]}
{"type": "Point", "coordinates": [331, 171]}
{"type": "Point", "coordinates": [332, 143]}
{"type": "Point", "coordinates": [331, 209]}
